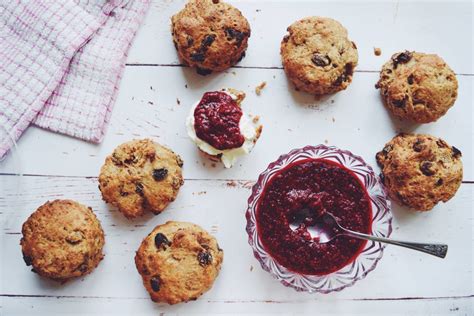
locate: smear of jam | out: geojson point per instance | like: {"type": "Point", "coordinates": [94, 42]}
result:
{"type": "Point", "coordinates": [317, 185]}
{"type": "Point", "coordinates": [216, 121]}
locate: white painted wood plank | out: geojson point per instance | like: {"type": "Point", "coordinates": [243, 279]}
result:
{"type": "Point", "coordinates": [442, 27]}
{"type": "Point", "coordinates": [354, 119]}
{"type": "Point", "coordinates": [95, 306]}
{"type": "Point", "coordinates": [401, 273]}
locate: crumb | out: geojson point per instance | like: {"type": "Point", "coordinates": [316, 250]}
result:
{"type": "Point", "coordinates": [333, 120]}
{"type": "Point", "coordinates": [377, 51]}
{"type": "Point", "coordinates": [231, 183]}
{"type": "Point", "coordinates": [290, 130]}
{"type": "Point", "coordinates": [186, 86]}
{"type": "Point", "coordinates": [255, 119]}
{"type": "Point", "coordinates": [234, 73]}
{"type": "Point", "coordinates": [251, 268]}
{"type": "Point", "coordinates": [178, 101]}
{"type": "Point", "coordinates": [326, 141]}
{"type": "Point", "coordinates": [151, 103]}
{"type": "Point", "coordinates": [151, 88]}
{"type": "Point", "coordinates": [133, 98]}
{"type": "Point", "coordinates": [213, 165]}
{"type": "Point", "coordinates": [274, 77]}
{"type": "Point", "coordinates": [258, 10]}
{"type": "Point", "coordinates": [259, 88]}
{"type": "Point", "coordinates": [332, 101]}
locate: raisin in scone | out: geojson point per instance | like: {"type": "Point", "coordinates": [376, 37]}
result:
{"type": "Point", "coordinates": [141, 176]}
{"type": "Point", "coordinates": [318, 56]}
{"type": "Point", "coordinates": [417, 87]}
{"type": "Point", "coordinates": [178, 262]}
{"type": "Point", "coordinates": [210, 35]}
{"type": "Point", "coordinates": [420, 170]}
{"type": "Point", "coordinates": [62, 239]}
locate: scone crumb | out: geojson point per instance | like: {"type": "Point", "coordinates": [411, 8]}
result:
{"type": "Point", "coordinates": [377, 51]}
{"type": "Point", "coordinates": [260, 87]}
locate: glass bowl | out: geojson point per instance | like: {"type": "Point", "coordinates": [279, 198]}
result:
{"type": "Point", "coordinates": [365, 262]}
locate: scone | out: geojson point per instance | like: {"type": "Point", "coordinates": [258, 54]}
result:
{"type": "Point", "coordinates": [141, 176]}
{"type": "Point", "coordinates": [317, 55]}
{"type": "Point", "coordinates": [219, 127]}
{"type": "Point", "coordinates": [420, 170]}
{"type": "Point", "coordinates": [62, 239]}
{"type": "Point", "coordinates": [417, 87]}
{"type": "Point", "coordinates": [210, 35]}
{"type": "Point", "coordinates": [178, 262]}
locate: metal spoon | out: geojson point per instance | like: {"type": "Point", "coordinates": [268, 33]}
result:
{"type": "Point", "coordinates": [326, 228]}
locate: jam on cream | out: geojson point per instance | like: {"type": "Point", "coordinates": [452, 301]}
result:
{"type": "Point", "coordinates": [219, 127]}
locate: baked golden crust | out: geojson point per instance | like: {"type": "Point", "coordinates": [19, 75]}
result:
{"type": "Point", "coordinates": [62, 239]}
{"type": "Point", "coordinates": [417, 87]}
{"type": "Point", "coordinates": [178, 262]}
{"type": "Point", "coordinates": [210, 35]}
{"type": "Point", "coordinates": [141, 176]}
{"type": "Point", "coordinates": [420, 170]}
{"type": "Point", "coordinates": [317, 55]}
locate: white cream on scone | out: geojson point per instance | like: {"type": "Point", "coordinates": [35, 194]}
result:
{"type": "Point", "coordinates": [249, 127]}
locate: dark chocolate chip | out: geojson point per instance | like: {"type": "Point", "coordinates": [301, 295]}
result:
{"type": "Point", "coordinates": [203, 71]}
{"type": "Point", "coordinates": [233, 34]}
{"type": "Point", "coordinates": [387, 149]}
{"type": "Point", "coordinates": [123, 193]}
{"type": "Point", "coordinates": [410, 79]}
{"type": "Point", "coordinates": [426, 168]}
{"type": "Point", "coordinates": [190, 41]}
{"type": "Point", "coordinates": [348, 71]}
{"type": "Point", "coordinates": [161, 242]}
{"type": "Point", "coordinates": [241, 56]}
{"type": "Point", "coordinates": [28, 260]}
{"type": "Point", "coordinates": [207, 41]}
{"type": "Point", "coordinates": [418, 145]}
{"type": "Point", "coordinates": [320, 60]}
{"type": "Point", "coordinates": [160, 174]}
{"type": "Point", "coordinates": [401, 58]}
{"type": "Point", "coordinates": [441, 143]}
{"type": "Point", "coordinates": [83, 267]}
{"type": "Point", "coordinates": [199, 56]}
{"type": "Point", "coordinates": [382, 177]}
{"type": "Point", "coordinates": [439, 182]}
{"type": "Point", "coordinates": [155, 283]}
{"type": "Point", "coordinates": [456, 152]}
{"type": "Point", "coordinates": [204, 258]}
{"type": "Point", "coordinates": [139, 188]}
{"type": "Point", "coordinates": [400, 103]}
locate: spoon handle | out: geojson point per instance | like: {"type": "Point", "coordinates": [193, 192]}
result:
{"type": "Point", "coordinates": [438, 250]}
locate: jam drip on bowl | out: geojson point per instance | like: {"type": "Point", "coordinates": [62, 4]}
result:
{"type": "Point", "coordinates": [314, 186]}
{"type": "Point", "coordinates": [216, 121]}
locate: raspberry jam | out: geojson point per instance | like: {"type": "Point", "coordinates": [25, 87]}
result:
{"type": "Point", "coordinates": [317, 185]}
{"type": "Point", "coordinates": [216, 121]}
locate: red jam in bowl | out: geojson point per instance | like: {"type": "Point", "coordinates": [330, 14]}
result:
{"type": "Point", "coordinates": [216, 121]}
{"type": "Point", "coordinates": [321, 186]}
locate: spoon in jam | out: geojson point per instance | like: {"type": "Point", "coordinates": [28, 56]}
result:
{"type": "Point", "coordinates": [325, 228]}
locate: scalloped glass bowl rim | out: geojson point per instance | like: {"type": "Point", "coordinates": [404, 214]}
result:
{"type": "Point", "coordinates": [258, 188]}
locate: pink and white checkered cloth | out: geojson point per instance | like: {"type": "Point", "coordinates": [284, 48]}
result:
{"type": "Point", "coordinates": [61, 63]}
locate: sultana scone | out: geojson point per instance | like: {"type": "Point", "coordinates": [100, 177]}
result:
{"type": "Point", "coordinates": [141, 176]}
{"type": "Point", "coordinates": [178, 262]}
{"type": "Point", "coordinates": [417, 87]}
{"type": "Point", "coordinates": [318, 56]}
{"type": "Point", "coordinates": [210, 35]}
{"type": "Point", "coordinates": [420, 170]}
{"type": "Point", "coordinates": [62, 239]}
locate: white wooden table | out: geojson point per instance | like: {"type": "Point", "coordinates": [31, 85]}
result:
{"type": "Point", "coordinates": [404, 282]}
